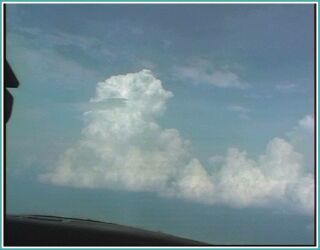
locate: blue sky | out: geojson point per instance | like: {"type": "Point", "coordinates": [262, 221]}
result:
{"type": "Point", "coordinates": [228, 130]}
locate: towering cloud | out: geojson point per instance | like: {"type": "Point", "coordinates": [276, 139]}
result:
{"type": "Point", "coordinates": [123, 147]}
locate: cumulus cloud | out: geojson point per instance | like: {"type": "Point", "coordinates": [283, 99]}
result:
{"type": "Point", "coordinates": [302, 137]}
{"type": "Point", "coordinates": [123, 147]}
{"type": "Point", "coordinates": [203, 72]}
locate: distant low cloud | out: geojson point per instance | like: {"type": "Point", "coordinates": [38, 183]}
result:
{"type": "Point", "coordinates": [286, 87]}
{"type": "Point", "coordinates": [123, 147]}
{"type": "Point", "coordinates": [258, 96]}
{"type": "Point", "coordinates": [203, 72]}
{"type": "Point", "coordinates": [239, 108]}
{"type": "Point", "coordinates": [242, 111]}
{"type": "Point", "coordinates": [307, 123]}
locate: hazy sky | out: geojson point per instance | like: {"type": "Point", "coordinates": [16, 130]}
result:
{"type": "Point", "coordinates": [196, 120]}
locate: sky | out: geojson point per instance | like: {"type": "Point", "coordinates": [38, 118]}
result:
{"type": "Point", "coordinates": [194, 120]}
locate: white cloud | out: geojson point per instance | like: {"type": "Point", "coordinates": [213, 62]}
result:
{"type": "Point", "coordinates": [203, 72]}
{"type": "Point", "coordinates": [302, 138]}
{"type": "Point", "coordinates": [276, 177]}
{"type": "Point", "coordinates": [216, 159]}
{"type": "Point", "coordinates": [123, 147]}
{"type": "Point", "coordinates": [194, 183]}
{"type": "Point", "coordinates": [307, 123]}
{"type": "Point", "coordinates": [239, 108]}
{"type": "Point", "coordinates": [258, 96]}
{"type": "Point", "coordinates": [242, 112]}
{"type": "Point", "coordinates": [285, 87]}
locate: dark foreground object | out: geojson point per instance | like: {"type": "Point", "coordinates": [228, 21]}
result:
{"type": "Point", "coordinates": [36, 230]}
